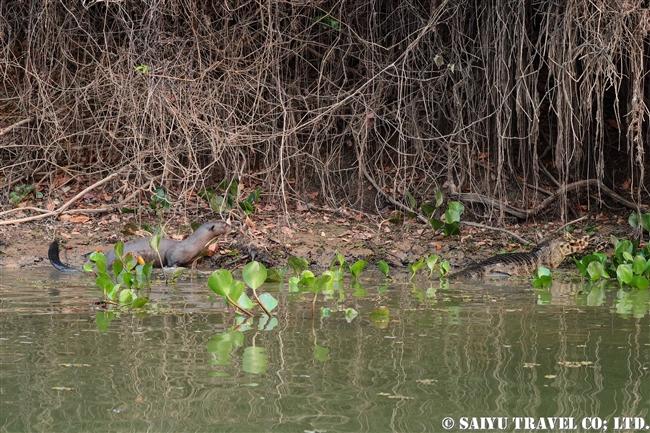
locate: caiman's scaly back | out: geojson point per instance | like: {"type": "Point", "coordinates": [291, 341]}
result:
{"type": "Point", "coordinates": [549, 254]}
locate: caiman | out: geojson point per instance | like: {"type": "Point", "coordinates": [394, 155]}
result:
{"type": "Point", "coordinates": [549, 254]}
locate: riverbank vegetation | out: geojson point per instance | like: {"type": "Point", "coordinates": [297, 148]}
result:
{"type": "Point", "coordinates": [518, 110]}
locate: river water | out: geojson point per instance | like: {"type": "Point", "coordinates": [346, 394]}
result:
{"type": "Point", "coordinates": [462, 357]}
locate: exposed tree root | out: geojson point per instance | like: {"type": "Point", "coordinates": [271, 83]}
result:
{"type": "Point", "coordinates": [526, 213]}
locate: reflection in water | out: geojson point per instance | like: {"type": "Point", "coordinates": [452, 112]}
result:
{"type": "Point", "coordinates": [458, 352]}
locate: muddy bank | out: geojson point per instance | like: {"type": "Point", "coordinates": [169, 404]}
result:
{"type": "Point", "coordinates": [314, 235]}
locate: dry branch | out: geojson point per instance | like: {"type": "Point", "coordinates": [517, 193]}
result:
{"type": "Point", "coordinates": [64, 206]}
{"type": "Point", "coordinates": [562, 191]}
{"type": "Point", "coordinates": [15, 125]}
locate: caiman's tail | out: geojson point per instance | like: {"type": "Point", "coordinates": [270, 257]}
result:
{"type": "Point", "coordinates": [53, 255]}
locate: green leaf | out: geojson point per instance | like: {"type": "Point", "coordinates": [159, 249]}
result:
{"type": "Point", "coordinates": [596, 271]}
{"type": "Point", "coordinates": [350, 314]}
{"type": "Point", "coordinates": [243, 300]}
{"type": "Point", "coordinates": [432, 259]}
{"type": "Point", "coordinates": [581, 267]}
{"type": "Point", "coordinates": [130, 261]}
{"type": "Point", "coordinates": [543, 281]}
{"type": "Point", "coordinates": [254, 197]}
{"type": "Point", "coordinates": [624, 246]}
{"type": "Point", "coordinates": [254, 360]}
{"type": "Point", "coordinates": [307, 274]}
{"type": "Point", "coordinates": [420, 264]}
{"type": "Point", "coordinates": [275, 275]}
{"type": "Point", "coordinates": [412, 201]}
{"type": "Point", "coordinates": [99, 260]}
{"type": "Point", "coordinates": [645, 221]}
{"type": "Point", "coordinates": [117, 267]}
{"type": "Point", "coordinates": [218, 204]}
{"type": "Point", "coordinates": [396, 217]}
{"type": "Point", "coordinates": [103, 281]}
{"type": "Point", "coordinates": [154, 242]}
{"type": "Point", "coordinates": [127, 278]}
{"type": "Point", "coordinates": [640, 282]}
{"type": "Point", "coordinates": [383, 267]}
{"type": "Point", "coordinates": [380, 317]}
{"type": "Point", "coordinates": [298, 264]}
{"type": "Point", "coordinates": [436, 224]}
{"type": "Point", "coordinates": [307, 280]}
{"type": "Point", "coordinates": [322, 280]}
{"type": "Point", "coordinates": [380, 312]}
{"type": "Point", "coordinates": [207, 194]}
{"type": "Point", "coordinates": [633, 220]}
{"type": "Point", "coordinates": [639, 264]}
{"type": "Point", "coordinates": [246, 207]}
{"type": "Point", "coordinates": [358, 267]}
{"type": "Point", "coordinates": [118, 250]}
{"type": "Point", "coordinates": [428, 209]}
{"type": "Point", "coordinates": [321, 353]}
{"type": "Point", "coordinates": [452, 216]}
{"type": "Point", "coordinates": [451, 229]}
{"type": "Point", "coordinates": [541, 271]}
{"type": "Point", "coordinates": [624, 274]}
{"type": "Point", "coordinates": [125, 296]}
{"type": "Point", "coordinates": [267, 323]}
{"type": "Point", "coordinates": [411, 215]}
{"type": "Point", "coordinates": [103, 320]}
{"type": "Point", "coordinates": [254, 274]}
{"type": "Point", "coordinates": [220, 282]}
{"type": "Point", "coordinates": [140, 302]}
{"type": "Point", "coordinates": [340, 258]}
{"type": "Point", "coordinates": [268, 301]}
{"type": "Point", "coordinates": [457, 207]}
{"type": "Point", "coordinates": [177, 273]}
{"type": "Point", "coordinates": [112, 292]}
{"type": "Point", "coordinates": [444, 268]}
{"type": "Point", "coordinates": [439, 197]}
{"type": "Point", "coordinates": [359, 290]}
{"type": "Point", "coordinates": [328, 22]}
{"type": "Point", "coordinates": [231, 186]}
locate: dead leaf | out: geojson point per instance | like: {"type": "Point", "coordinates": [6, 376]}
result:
{"type": "Point", "coordinates": [250, 224]}
{"type": "Point", "coordinates": [287, 231]}
{"type": "Point", "coordinates": [313, 195]}
{"type": "Point", "coordinates": [363, 235]}
{"type": "Point", "coordinates": [64, 218]}
{"type": "Point", "coordinates": [626, 184]}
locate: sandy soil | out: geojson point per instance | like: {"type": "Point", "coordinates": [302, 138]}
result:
{"type": "Point", "coordinates": [313, 235]}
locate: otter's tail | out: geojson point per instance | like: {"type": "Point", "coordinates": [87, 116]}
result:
{"type": "Point", "coordinates": [53, 255]}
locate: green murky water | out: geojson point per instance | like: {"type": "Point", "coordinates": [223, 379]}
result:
{"type": "Point", "coordinates": [463, 353]}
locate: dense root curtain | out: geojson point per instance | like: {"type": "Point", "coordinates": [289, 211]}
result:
{"type": "Point", "coordinates": [508, 103]}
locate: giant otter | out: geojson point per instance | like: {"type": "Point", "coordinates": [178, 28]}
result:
{"type": "Point", "coordinates": [173, 253]}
